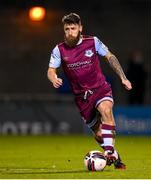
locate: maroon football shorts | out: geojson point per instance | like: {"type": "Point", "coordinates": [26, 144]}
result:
{"type": "Point", "coordinates": [88, 101]}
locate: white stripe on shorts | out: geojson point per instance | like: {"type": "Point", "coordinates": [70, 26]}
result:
{"type": "Point", "coordinates": [103, 99]}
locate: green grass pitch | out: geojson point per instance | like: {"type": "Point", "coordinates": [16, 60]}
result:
{"type": "Point", "coordinates": [61, 157]}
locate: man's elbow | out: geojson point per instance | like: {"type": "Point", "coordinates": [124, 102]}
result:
{"type": "Point", "coordinates": [109, 55]}
{"type": "Point", "coordinates": [48, 73]}
{"type": "Point", "coordinates": [51, 73]}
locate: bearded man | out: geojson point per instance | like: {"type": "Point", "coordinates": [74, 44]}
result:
{"type": "Point", "coordinates": [79, 57]}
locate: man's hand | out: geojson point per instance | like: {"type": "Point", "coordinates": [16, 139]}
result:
{"type": "Point", "coordinates": [127, 84]}
{"type": "Point", "coordinates": [52, 76]}
{"type": "Point", "coordinates": [57, 82]}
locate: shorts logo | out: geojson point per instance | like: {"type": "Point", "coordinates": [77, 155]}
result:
{"type": "Point", "coordinates": [89, 53]}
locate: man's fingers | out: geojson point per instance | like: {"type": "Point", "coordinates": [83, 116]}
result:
{"type": "Point", "coordinates": [128, 86]}
{"type": "Point", "coordinates": [57, 83]}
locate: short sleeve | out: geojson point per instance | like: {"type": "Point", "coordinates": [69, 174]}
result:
{"type": "Point", "coordinates": [101, 48]}
{"type": "Point", "coordinates": [55, 58]}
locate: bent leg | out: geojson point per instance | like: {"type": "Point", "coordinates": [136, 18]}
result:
{"type": "Point", "coordinates": [108, 134]}
{"type": "Point", "coordinates": [108, 124]}
{"type": "Point", "coordinates": [97, 132]}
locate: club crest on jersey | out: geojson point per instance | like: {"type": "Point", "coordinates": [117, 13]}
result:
{"type": "Point", "coordinates": [89, 53]}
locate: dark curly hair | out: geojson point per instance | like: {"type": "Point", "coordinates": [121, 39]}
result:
{"type": "Point", "coordinates": [71, 18]}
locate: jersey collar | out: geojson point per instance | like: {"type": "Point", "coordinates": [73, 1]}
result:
{"type": "Point", "coordinates": [80, 40]}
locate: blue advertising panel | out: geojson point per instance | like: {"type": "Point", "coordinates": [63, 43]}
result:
{"type": "Point", "coordinates": [133, 120]}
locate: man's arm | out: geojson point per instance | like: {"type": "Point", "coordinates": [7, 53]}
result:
{"type": "Point", "coordinates": [115, 65]}
{"type": "Point", "coordinates": [55, 61]}
{"type": "Point", "coordinates": [52, 76]}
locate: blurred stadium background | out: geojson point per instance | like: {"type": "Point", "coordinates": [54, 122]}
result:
{"type": "Point", "coordinates": [28, 103]}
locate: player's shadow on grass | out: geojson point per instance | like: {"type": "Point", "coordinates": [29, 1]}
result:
{"type": "Point", "coordinates": [38, 171]}
{"type": "Point", "coordinates": [56, 172]}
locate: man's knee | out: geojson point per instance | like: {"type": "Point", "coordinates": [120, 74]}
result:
{"type": "Point", "coordinates": [106, 111]}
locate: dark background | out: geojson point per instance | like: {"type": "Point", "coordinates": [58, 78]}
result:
{"type": "Point", "coordinates": [25, 46]}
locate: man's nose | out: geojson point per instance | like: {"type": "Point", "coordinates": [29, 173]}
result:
{"type": "Point", "coordinates": [70, 32]}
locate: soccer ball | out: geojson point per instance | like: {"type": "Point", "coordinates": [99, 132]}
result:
{"type": "Point", "coordinates": [95, 161]}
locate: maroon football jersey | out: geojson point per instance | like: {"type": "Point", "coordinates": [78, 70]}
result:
{"type": "Point", "coordinates": [81, 65]}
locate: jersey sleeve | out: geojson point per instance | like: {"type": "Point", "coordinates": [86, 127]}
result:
{"type": "Point", "coordinates": [101, 49]}
{"type": "Point", "coordinates": [55, 58]}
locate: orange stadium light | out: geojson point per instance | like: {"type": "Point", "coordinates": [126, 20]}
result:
{"type": "Point", "coordinates": [37, 13]}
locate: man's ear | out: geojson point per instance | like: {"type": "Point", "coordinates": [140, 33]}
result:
{"type": "Point", "coordinates": [81, 28]}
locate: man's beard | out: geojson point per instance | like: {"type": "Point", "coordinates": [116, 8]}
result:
{"type": "Point", "coordinates": [72, 41]}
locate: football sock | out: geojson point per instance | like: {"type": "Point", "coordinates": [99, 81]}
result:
{"type": "Point", "coordinates": [108, 136]}
{"type": "Point", "coordinates": [98, 137]}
